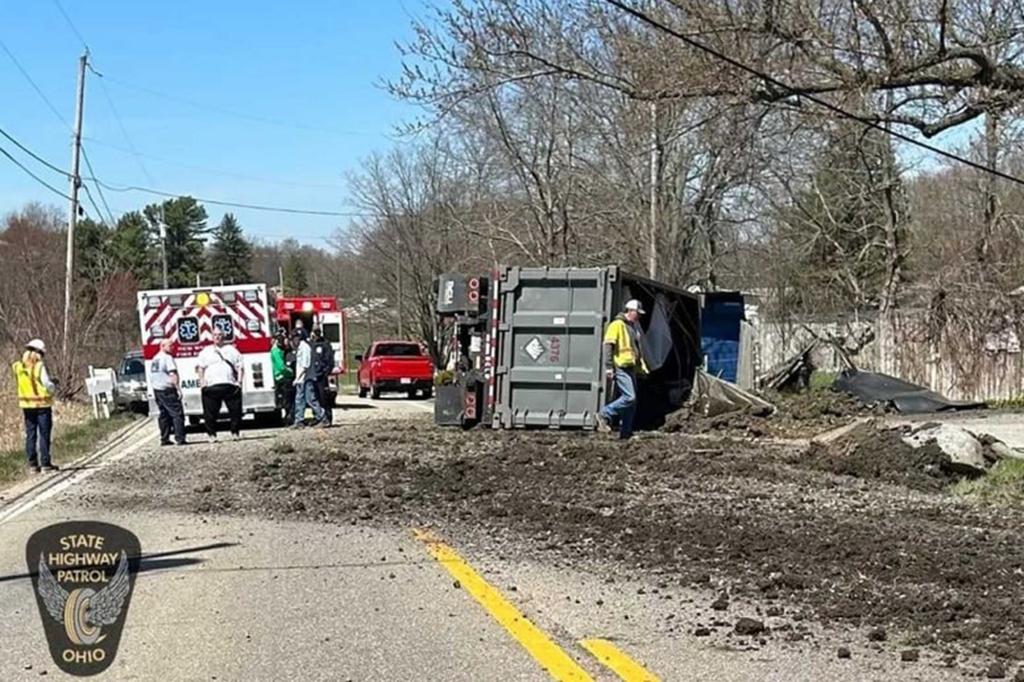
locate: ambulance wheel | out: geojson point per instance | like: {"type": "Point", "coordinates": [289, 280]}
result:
{"type": "Point", "coordinates": [412, 394]}
{"type": "Point", "coordinates": [194, 420]}
{"type": "Point", "coordinates": [375, 392]}
{"type": "Point", "coordinates": [362, 391]}
{"type": "Point", "coordinates": [428, 393]}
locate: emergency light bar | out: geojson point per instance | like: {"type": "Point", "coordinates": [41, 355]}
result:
{"type": "Point", "coordinates": [251, 295]}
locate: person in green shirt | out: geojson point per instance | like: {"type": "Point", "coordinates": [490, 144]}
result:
{"type": "Point", "coordinates": [284, 374]}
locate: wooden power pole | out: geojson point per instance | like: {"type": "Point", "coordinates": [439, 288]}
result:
{"type": "Point", "coordinates": [76, 181]}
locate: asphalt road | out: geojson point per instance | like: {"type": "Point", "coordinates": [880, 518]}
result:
{"type": "Point", "coordinates": [233, 598]}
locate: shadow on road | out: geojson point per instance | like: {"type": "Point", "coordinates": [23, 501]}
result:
{"type": "Point", "coordinates": [156, 561]}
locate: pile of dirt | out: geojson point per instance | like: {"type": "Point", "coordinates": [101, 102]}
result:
{"type": "Point", "coordinates": [755, 518]}
{"type": "Point", "coordinates": [874, 452]}
{"type": "Point", "coordinates": [797, 415]}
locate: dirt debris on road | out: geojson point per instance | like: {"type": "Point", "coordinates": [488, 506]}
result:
{"type": "Point", "coordinates": [766, 522]}
{"type": "Point", "coordinates": [796, 415]}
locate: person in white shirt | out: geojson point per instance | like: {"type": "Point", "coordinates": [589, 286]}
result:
{"type": "Point", "coordinates": [305, 383]}
{"type": "Point", "coordinates": [163, 379]}
{"type": "Point", "coordinates": [221, 372]}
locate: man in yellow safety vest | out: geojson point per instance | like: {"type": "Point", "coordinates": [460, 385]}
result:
{"type": "Point", "coordinates": [624, 361]}
{"type": "Point", "coordinates": [35, 398]}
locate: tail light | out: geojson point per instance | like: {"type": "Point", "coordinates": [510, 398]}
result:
{"type": "Point", "coordinates": [469, 405]}
{"type": "Point", "coordinates": [474, 289]}
{"type": "Point", "coordinates": [257, 375]}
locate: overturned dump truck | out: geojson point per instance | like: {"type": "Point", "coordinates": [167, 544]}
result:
{"type": "Point", "coordinates": [525, 346]}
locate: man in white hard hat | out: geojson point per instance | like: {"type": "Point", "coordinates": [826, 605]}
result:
{"type": "Point", "coordinates": [624, 361]}
{"type": "Point", "coordinates": [35, 398]}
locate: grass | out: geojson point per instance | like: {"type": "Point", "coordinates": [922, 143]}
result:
{"type": "Point", "coordinates": [821, 381]}
{"type": "Point", "coordinates": [70, 442]}
{"type": "Point", "coordinates": [1002, 485]}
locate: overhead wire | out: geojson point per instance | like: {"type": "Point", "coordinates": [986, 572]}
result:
{"type": "Point", "coordinates": [71, 24]}
{"type": "Point", "coordinates": [660, 26]}
{"type": "Point", "coordinates": [32, 175]}
{"type": "Point", "coordinates": [99, 189]}
{"type": "Point", "coordinates": [35, 156]}
{"type": "Point", "coordinates": [35, 86]}
{"type": "Point", "coordinates": [231, 112]}
{"type": "Point", "coordinates": [234, 204]}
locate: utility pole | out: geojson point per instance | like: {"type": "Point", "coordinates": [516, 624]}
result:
{"type": "Point", "coordinates": [76, 149]}
{"type": "Point", "coordinates": [652, 246]}
{"type": "Point", "coordinates": [280, 278]}
{"type": "Point", "coordinates": [398, 282]}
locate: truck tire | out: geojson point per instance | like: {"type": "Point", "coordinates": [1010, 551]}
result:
{"type": "Point", "coordinates": [362, 391]}
{"type": "Point", "coordinates": [375, 392]}
{"type": "Point", "coordinates": [269, 420]}
{"type": "Point", "coordinates": [194, 420]}
{"type": "Point", "coordinates": [428, 393]}
{"type": "Point", "coordinates": [412, 394]}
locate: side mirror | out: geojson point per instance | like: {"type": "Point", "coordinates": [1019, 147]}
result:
{"type": "Point", "coordinates": [359, 358]}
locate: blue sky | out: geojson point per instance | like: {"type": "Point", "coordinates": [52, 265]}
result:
{"type": "Point", "coordinates": [315, 64]}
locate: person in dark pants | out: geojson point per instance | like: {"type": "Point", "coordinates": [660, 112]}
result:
{"type": "Point", "coordinates": [35, 398]}
{"type": "Point", "coordinates": [323, 365]}
{"type": "Point", "coordinates": [284, 375]}
{"type": "Point", "coordinates": [220, 372]}
{"type": "Point", "coordinates": [163, 379]}
{"type": "Point", "coordinates": [623, 340]}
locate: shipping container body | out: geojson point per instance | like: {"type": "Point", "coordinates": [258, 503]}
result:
{"type": "Point", "coordinates": [539, 333]}
{"type": "Point", "coordinates": [189, 316]}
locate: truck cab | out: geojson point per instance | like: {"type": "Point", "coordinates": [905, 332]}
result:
{"type": "Point", "coordinates": [290, 312]}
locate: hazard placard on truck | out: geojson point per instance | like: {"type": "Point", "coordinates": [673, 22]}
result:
{"type": "Point", "coordinates": [189, 316]}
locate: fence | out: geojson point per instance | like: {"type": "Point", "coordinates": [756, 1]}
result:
{"type": "Point", "coordinates": [950, 363]}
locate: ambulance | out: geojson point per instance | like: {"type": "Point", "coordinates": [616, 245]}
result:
{"type": "Point", "coordinates": [189, 316]}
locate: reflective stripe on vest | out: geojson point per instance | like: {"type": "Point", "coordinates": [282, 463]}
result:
{"type": "Point", "coordinates": [31, 391]}
{"type": "Point", "coordinates": [619, 335]}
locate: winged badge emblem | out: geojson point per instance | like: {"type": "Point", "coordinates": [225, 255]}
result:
{"type": "Point", "coordinates": [84, 611]}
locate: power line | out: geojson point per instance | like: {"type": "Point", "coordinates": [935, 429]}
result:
{"type": "Point", "coordinates": [809, 97]}
{"type": "Point", "coordinates": [215, 171]}
{"type": "Point", "coordinates": [230, 112]}
{"type": "Point", "coordinates": [120, 124]}
{"type": "Point", "coordinates": [234, 204]}
{"type": "Point", "coordinates": [39, 91]}
{"type": "Point", "coordinates": [32, 175]}
{"type": "Point", "coordinates": [71, 24]}
{"type": "Point", "coordinates": [99, 189]}
{"type": "Point", "coordinates": [35, 156]}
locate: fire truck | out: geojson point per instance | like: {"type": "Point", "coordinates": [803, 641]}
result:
{"type": "Point", "coordinates": [189, 316]}
{"type": "Point", "coordinates": [316, 311]}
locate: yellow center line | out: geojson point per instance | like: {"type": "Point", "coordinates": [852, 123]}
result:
{"type": "Point", "coordinates": [619, 663]}
{"type": "Point", "coordinates": [549, 655]}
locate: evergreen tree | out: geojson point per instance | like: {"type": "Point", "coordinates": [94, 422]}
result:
{"type": "Point", "coordinates": [229, 258]}
{"type": "Point", "coordinates": [133, 251]}
{"type": "Point", "coordinates": [93, 251]}
{"type": "Point", "coordinates": [185, 222]}
{"type": "Point", "coordinates": [296, 281]}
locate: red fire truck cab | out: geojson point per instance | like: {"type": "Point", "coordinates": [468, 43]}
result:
{"type": "Point", "coordinates": [315, 311]}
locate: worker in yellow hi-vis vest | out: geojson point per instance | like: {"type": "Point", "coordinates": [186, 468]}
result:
{"type": "Point", "coordinates": [624, 359]}
{"type": "Point", "coordinates": [35, 398]}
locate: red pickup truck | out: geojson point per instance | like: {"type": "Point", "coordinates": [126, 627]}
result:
{"type": "Point", "coordinates": [395, 366]}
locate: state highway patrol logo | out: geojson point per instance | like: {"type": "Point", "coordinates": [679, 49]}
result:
{"type": "Point", "coordinates": [83, 574]}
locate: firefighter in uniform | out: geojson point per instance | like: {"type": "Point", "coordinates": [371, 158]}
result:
{"type": "Point", "coordinates": [623, 340]}
{"type": "Point", "coordinates": [35, 398]}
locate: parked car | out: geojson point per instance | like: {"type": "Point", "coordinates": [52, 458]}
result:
{"type": "Point", "coordinates": [395, 366]}
{"type": "Point", "coordinates": [130, 391]}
